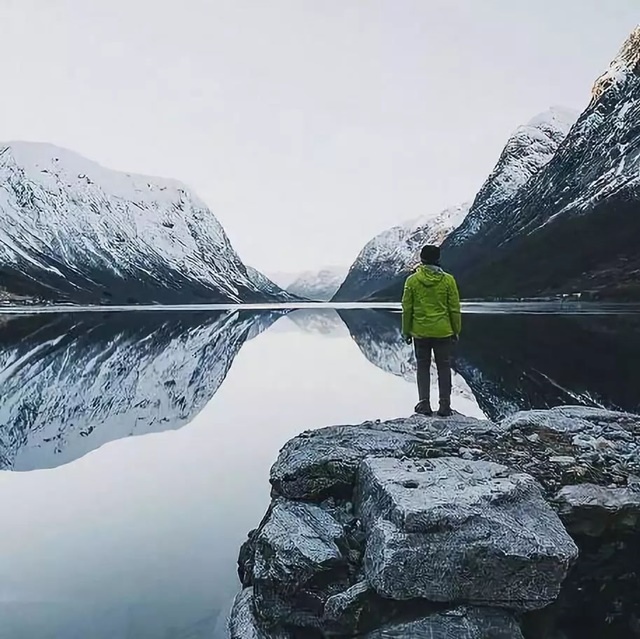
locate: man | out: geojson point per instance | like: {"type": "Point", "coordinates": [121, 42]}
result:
{"type": "Point", "coordinates": [431, 320]}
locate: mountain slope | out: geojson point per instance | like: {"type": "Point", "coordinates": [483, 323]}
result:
{"type": "Point", "coordinates": [394, 251]}
{"type": "Point", "coordinates": [319, 286]}
{"type": "Point", "coordinates": [71, 384]}
{"type": "Point", "coordinates": [268, 286]}
{"type": "Point", "coordinates": [528, 149]}
{"type": "Point", "coordinates": [73, 230]}
{"type": "Point", "coordinates": [575, 225]}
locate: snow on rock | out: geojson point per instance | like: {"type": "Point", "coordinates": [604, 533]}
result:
{"type": "Point", "coordinates": [397, 250]}
{"type": "Point", "coordinates": [628, 59]}
{"type": "Point", "coordinates": [73, 230]}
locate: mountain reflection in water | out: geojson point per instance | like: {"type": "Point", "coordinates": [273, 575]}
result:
{"type": "Point", "coordinates": [70, 383]}
{"type": "Point", "coordinates": [138, 537]}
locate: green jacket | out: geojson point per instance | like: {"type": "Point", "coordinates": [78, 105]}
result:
{"type": "Point", "coordinates": [431, 304]}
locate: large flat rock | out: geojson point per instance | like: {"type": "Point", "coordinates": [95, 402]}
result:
{"type": "Point", "coordinates": [460, 623]}
{"type": "Point", "coordinates": [453, 530]}
{"type": "Point", "coordinates": [301, 558]}
{"type": "Point", "coordinates": [322, 463]}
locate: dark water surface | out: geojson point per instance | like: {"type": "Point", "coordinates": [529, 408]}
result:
{"type": "Point", "coordinates": [108, 536]}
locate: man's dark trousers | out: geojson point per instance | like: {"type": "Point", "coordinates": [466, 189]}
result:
{"type": "Point", "coordinates": [442, 348]}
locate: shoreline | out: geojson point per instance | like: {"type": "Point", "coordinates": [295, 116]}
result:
{"type": "Point", "coordinates": [475, 307]}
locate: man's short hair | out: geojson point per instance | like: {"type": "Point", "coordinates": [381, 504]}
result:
{"type": "Point", "coordinates": [430, 254]}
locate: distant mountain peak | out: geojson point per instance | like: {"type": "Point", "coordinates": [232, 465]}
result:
{"type": "Point", "coordinates": [318, 285]}
{"type": "Point", "coordinates": [627, 61]}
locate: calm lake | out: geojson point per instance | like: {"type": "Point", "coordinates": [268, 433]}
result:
{"type": "Point", "coordinates": [135, 447]}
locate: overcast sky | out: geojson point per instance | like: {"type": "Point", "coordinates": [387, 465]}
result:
{"type": "Point", "coordinates": [306, 125]}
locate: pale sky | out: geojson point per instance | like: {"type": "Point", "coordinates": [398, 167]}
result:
{"type": "Point", "coordinates": [306, 125]}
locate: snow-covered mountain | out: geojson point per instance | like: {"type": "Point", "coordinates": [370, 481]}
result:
{"type": "Point", "coordinates": [378, 336]}
{"type": "Point", "coordinates": [395, 251]}
{"type": "Point", "coordinates": [527, 150]}
{"type": "Point", "coordinates": [73, 230]}
{"type": "Point", "coordinates": [575, 225]}
{"type": "Point", "coordinates": [318, 286]}
{"type": "Point", "coordinates": [72, 383]}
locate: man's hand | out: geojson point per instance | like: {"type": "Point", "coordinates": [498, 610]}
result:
{"type": "Point", "coordinates": [455, 338]}
{"type": "Point", "coordinates": [407, 339]}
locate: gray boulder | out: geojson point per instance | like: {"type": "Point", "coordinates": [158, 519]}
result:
{"type": "Point", "coordinates": [587, 509]}
{"type": "Point", "coordinates": [302, 556]}
{"type": "Point", "coordinates": [452, 530]}
{"type": "Point", "coordinates": [322, 463]}
{"type": "Point", "coordinates": [243, 623]}
{"type": "Point", "coordinates": [574, 420]}
{"type": "Point", "coordinates": [460, 623]}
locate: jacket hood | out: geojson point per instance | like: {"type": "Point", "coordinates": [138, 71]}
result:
{"type": "Point", "coordinates": [429, 274]}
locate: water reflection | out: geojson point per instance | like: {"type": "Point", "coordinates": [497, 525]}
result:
{"type": "Point", "coordinates": [519, 362]}
{"type": "Point", "coordinates": [138, 537]}
{"type": "Point", "coordinates": [378, 336]}
{"type": "Point", "coordinates": [71, 383]}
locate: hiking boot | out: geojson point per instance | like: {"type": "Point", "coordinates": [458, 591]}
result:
{"type": "Point", "coordinates": [445, 409]}
{"type": "Point", "coordinates": [423, 407]}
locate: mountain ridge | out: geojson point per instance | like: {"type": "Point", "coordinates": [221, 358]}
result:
{"type": "Point", "coordinates": [574, 227]}
{"type": "Point", "coordinates": [72, 230]}
{"type": "Point", "coordinates": [394, 251]}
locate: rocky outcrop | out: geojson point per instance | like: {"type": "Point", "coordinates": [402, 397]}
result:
{"type": "Point", "coordinates": [302, 557]}
{"type": "Point", "coordinates": [323, 463]}
{"type": "Point", "coordinates": [243, 623]}
{"type": "Point", "coordinates": [447, 528]}
{"type": "Point", "coordinates": [588, 509]}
